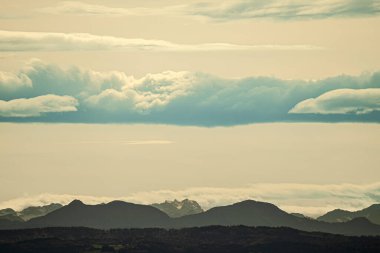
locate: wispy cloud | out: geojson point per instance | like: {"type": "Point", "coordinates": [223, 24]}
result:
{"type": "Point", "coordinates": [234, 10]}
{"type": "Point", "coordinates": [42, 41]}
{"type": "Point", "coordinates": [148, 142]}
{"type": "Point", "coordinates": [82, 8]}
{"type": "Point", "coordinates": [130, 142]}
{"type": "Point", "coordinates": [310, 199]}
{"type": "Point", "coordinates": [286, 10]}
{"type": "Point", "coordinates": [193, 98]}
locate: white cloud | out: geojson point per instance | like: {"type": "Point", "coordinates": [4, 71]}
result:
{"type": "Point", "coordinates": [150, 92]}
{"type": "Point", "coordinates": [43, 41]}
{"type": "Point", "coordinates": [33, 107]}
{"type": "Point", "coordinates": [310, 199]}
{"type": "Point", "coordinates": [341, 101]}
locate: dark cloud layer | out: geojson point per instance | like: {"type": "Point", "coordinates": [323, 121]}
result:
{"type": "Point", "coordinates": [182, 98]}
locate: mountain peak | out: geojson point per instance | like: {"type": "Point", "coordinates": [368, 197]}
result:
{"type": "Point", "coordinates": [254, 203]}
{"type": "Point", "coordinates": [76, 202]}
{"type": "Point", "coordinates": [178, 208]}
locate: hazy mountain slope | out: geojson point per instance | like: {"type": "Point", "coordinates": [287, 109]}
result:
{"type": "Point", "coordinates": [179, 208]}
{"type": "Point", "coordinates": [372, 213]}
{"type": "Point", "coordinates": [9, 214]}
{"type": "Point", "coordinates": [37, 211]}
{"type": "Point", "coordinates": [7, 211]}
{"type": "Point", "coordinates": [29, 212]}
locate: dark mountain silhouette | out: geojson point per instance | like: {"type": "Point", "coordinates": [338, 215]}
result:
{"type": "Point", "coordinates": [249, 213]}
{"type": "Point", "coordinates": [118, 214]}
{"type": "Point", "coordinates": [254, 213]}
{"type": "Point", "coordinates": [179, 208]}
{"type": "Point", "coordinates": [372, 213]}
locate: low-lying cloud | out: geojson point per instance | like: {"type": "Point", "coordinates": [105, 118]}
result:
{"type": "Point", "coordinates": [192, 98]}
{"type": "Point", "coordinates": [14, 41]}
{"type": "Point", "coordinates": [310, 199]}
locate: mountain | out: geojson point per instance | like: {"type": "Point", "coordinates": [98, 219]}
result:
{"type": "Point", "coordinates": [179, 208]}
{"type": "Point", "coordinates": [29, 212]}
{"type": "Point", "coordinates": [9, 214]}
{"type": "Point", "coordinates": [254, 213]}
{"type": "Point", "coordinates": [116, 214]}
{"type": "Point", "coordinates": [372, 213]}
{"type": "Point", "coordinates": [37, 211]}
{"type": "Point", "coordinates": [7, 211]}
{"type": "Point", "coordinates": [300, 215]}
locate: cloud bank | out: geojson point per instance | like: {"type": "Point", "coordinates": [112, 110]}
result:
{"type": "Point", "coordinates": [234, 10]}
{"type": "Point", "coordinates": [191, 98]}
{"type": "Point", "coordinates": [310, 199]}
{"type": "Point", "coordinates": [13, 41]}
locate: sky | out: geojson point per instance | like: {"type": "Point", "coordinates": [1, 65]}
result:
{"type": "Point", "coordinates": [88, 89]}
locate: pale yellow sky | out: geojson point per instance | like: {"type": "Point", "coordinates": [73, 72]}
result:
{"type": "Point", "coordinates": [350, 44]}
{"type": "Point", "coordinates": [309, 168]}
{"type": "Point", "coordinates": [120, 159]}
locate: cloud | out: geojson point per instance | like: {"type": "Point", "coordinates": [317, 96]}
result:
{"type": "Point", "coordinates": [80, 8]}
{"type": "Point", "coordinates": [36, 106]}
{"type": "Point", "coordinates": [14, 81]}
{"type": "Point", "coordinates": [12, 41]}
{"type": "Point", "coordinates": [286, 10]}
{"type": "Point", "coordinates": [192, 98]}
{"type": "Point", "coordinates": [234, 10]}
{"type": "Point", "coordinates": [131, 142]}
{"type": "Point", "coordinates": [341, 101]}
{"type": "Point", "coordinates": [310, 199]}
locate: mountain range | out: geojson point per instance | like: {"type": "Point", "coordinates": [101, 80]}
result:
{"type": "Point", "coordinates": [119, 214]}
{"type": "Point", "coordinates": [28, 213]}
{"type": "Point", "coordinates": [371, 213]}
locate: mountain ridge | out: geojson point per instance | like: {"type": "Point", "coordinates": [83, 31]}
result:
{"type": "Point", "coordinates": [372, 213]}
{"type": "Point", "coordinates": [177, 208]}
{"type": "Point", "coordinates": [120, 214]}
